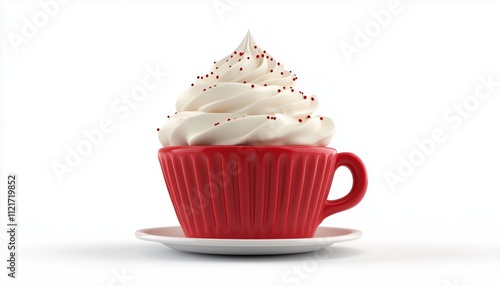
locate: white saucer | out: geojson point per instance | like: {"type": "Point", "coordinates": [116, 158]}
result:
{"type": "Point", "coordinates": [174, 237]}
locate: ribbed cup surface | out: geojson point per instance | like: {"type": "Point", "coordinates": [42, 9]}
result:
{"type": "Point", "coordinates": [247, 191]}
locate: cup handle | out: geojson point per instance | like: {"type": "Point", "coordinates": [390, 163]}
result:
{"type": "Point", "coordinates": [358, 189]}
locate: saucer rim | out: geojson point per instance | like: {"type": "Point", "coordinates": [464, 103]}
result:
{"type": "Point", "coordinates": [351, 234]}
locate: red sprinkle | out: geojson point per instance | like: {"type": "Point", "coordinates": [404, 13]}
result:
{"type": "Point", "coordinates": [321, 118]}
{"type": "Point", "coordinates": [241, 53]}
{"type": "Point", "coordinates": [265, 84]}
{"type": "Point", "coordinates": [229, 119]}
{"type": "Point", "coordinates": [244, 81]}
{"type": "Point", "coordinates": [312, 98]}
{"type": "Point", "coordinates": [192, 84]}
{"type": "Point", "coordinates": [281, 73]}
{"type": "Point", "coordinates": [308, 116]}
{"type": "Point", "coordinates": [216, 123]}
{"type": "Point", "coordinates": [204, 89]}
{"type": "Point", "coordinates": [300, 120]}
{"type": "Point", "coordinates": [217, 77]}
{"type": "Point", "coordinates": [255, 47]}
{"type": "Point", "coordinates": [271, 71]}
{"type": "Point", "coordinates": [257, 56]}
{"type": "Point", "coordinates": [241, 69]}
{"type": "Point", "coordinates": [278, 63]}
{"type": "Point", "coordinates": [235, 52]}
{"type": "Point", "coordinates": [304, 97]}
{"type": "Point", "coordinates": [279, 90]}
{"type": "Point", "coordinates": [268, 117]}
{"type": "Point", "coordinates": [253, 86]}
{"type": "Point", "coordinates": [157, 129]}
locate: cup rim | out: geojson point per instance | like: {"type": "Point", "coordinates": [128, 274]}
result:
{"type": "Point", "coordinates": [278, 148]}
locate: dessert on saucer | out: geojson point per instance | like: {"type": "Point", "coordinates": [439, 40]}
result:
{"type": "Point", "coordinates": [244, 157]}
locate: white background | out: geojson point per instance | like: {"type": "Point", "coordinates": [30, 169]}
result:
{"type": "Point", "coordinates": [439, 226]}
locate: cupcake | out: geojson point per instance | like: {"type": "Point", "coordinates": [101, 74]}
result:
{"type": "Point", "coordinates": [244, 156]}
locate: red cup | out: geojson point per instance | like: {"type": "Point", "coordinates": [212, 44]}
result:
{"type": "Point", "coordinates": [256, 192]}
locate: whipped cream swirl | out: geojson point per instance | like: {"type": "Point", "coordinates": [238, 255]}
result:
{"type": "Point", "coordinates": [246, 98]}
